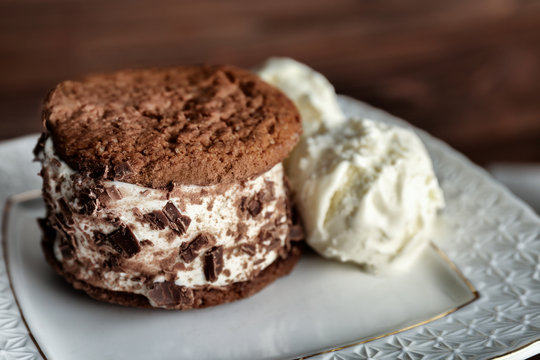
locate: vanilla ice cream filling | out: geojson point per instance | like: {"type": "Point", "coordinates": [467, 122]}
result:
{"type": "Point", "coordinates": [212, 209]}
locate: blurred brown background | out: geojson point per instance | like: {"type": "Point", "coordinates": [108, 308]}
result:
{"type": "Point", "coordinates": [465, 71]}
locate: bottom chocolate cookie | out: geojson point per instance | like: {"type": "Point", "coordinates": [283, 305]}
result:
{"type": "Point", "coordinates": [180, 298]}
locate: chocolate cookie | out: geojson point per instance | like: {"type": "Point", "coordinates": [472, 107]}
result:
{"type": "Point", "coordinates": [198, 125]}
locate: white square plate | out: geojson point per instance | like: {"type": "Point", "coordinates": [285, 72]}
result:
{"type": "Point", "coordinates": [321, 305]}
{"type": "Point", "coordinates": [491, 236]}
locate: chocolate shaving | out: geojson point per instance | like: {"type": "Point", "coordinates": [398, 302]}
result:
{"type": "Point", "coordinates": [156, 219]}
{"type": "Point", "coordinates": [147, 243]}
{"type": "Point", "coordinates": [170, 189]}
{"type": "Point", "coordinates": [55, 162]}
{"type": "Point", "coordinates": [179, 267]}
{"type": "Point", "coordinates": [269, 238]}
{"type": "Point", "coordinates": [247, 248]}
{"type": "Point", "coordinates": [112, 263]}
{"type": "Point", "coordinates": [264, 235]}
{"type": "Point", "coordinates": [189, 251]}
{"type": "Point", "coordinates": [122, 169]}
{"type": "Point", "coordinates": [169, 294]}
{"type": "Point", "coordinates": [138, 213]}
{"type": "Point", "coordinates": [40, 145]}
{"type": "Point", "coordinates": [179, 223]}
{"type": "Point", "coordinates": [113, 192]}
{"type": "Point", "coordinates": [67, 250]}
{"type": "Point", "coordinates": [270, 191]}
{"type": "Point", "coordinates": [65, 212]}
{"type": "Point", "coordinates": [296, 233]}
{"type": "Point", "coordinates": [89, 202]}
{"type": "Point", "coordinates": [241, 231]}
{"type": "Point", "coordinates": [104, 198]}
{"type": "Point", "coordinates": [213, 263]}
{"type": "Point", "coordinates": [122, 240]}
{"type": "Point", "coordinates": [66, 241]}
{"type": "Point", "coordinates": [167, 262]}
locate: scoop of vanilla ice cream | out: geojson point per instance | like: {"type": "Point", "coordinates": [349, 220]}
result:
{"type": "Point", "coordinates": [367, 193]}
{"type": "Point", "coordinates": [312, 93]}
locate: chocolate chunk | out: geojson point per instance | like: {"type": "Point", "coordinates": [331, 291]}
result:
{"type": "Point", "coordinates": [113, 192]}
{"type": "Point", "coordinates": [253, 205]}
{"type": "Point", "coordinates": [179, 223]}
{"type": "Point", "coordinates": [189, 251]}
{"type": "Point", "coordinates": [248, 248]}
{"type": "Point", "coordinates": [147, 243]}
{"type": "Point", "coordinates": [167, 293]}
{"type": "Point", "coordinates": [171, 211]}
{"type": "Point", "coordinates": [296, 233]}
{"type": "Point", "coordinates": [156, 219]}
{"type": "Point", "coordinates": [123, 240]}
{"type": "Point", "coordinates": [89, 202]}
{"type": "Point", "coordinates": [122, 169]}
{"type": "Point", "coordinates": [213, 263]}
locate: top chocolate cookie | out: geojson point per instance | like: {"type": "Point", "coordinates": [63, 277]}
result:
{"type": "Point", "coordinates": [198, 125]}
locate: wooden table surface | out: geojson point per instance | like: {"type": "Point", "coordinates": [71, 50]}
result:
{"type": "Point", "coordinates": [466, 71]}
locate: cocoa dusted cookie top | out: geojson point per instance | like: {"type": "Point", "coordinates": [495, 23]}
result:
{"type": "Point", "coordinates": [198, 125]}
